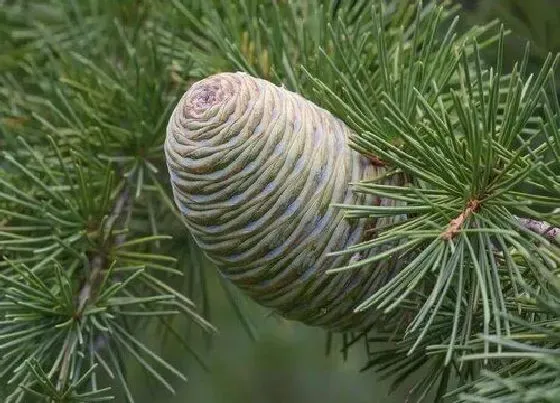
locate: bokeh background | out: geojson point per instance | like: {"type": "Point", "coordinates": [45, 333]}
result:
{"type": "Point", "coordinates": [286, 363]}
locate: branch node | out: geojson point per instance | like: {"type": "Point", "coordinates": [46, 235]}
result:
{"type": "Point", "coordinates": [456, 224]}
{"type": "Point", "coordinates": [375, 160]}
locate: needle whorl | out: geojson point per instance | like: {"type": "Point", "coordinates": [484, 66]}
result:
{"type": "Point", "coordinates": [254, 169]}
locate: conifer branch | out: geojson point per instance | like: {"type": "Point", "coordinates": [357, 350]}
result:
{"type": "Point", "coordinates": [97, 263]}
{"type": "Point", "coordinates": [457, 223]}
{"type": "Point", "coordinates": [542, 228]}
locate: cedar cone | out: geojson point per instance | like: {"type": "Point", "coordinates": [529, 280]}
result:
{"type": "Point", "coordinates": [254, 170]}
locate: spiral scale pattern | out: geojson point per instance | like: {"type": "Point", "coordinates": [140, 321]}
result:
{"type": "Point", "coordinates": [254, 170]}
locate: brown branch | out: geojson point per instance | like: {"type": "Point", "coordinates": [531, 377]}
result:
{"type": "Point", "coordinates": [540, 227]}
{"type": "Point", "coordinates": [97, 262]}
{"type": "Point", "coordinates": [456, 224]}
{"type": "Point", "coordinates": [375, 160]}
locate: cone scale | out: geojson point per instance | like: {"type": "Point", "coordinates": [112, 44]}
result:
{"type": "Point", "coordinates": [255, 169]}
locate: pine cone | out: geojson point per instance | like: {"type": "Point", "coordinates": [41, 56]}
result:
{"type": "Point", "coordinates": [254, 170]}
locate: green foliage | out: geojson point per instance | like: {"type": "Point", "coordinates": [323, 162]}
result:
{"type": "Point", "coordinates": [532, 347]}
{"type": "Point", "coordinates": [467, 152]}
{"type": "Point", "coordinates": [38, 27]}
{"type": "Point", "coordinates": [92, 247]}
{"type": "Point", "coordinates": [84, 204]}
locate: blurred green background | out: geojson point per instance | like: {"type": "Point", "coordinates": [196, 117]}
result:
{"type": "Point", "coordinates": [287, 363]}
